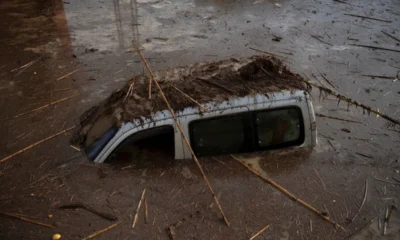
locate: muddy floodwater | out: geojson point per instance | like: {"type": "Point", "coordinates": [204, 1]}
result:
{"type": "Point", "coordinates": [60, 58]}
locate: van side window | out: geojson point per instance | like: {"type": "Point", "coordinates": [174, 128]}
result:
{"type": "Point", "coordinates": [279, 127]}
{"type": "Point", "coordinates": [247, 132]}
{"type": "Point", "coordinates": [150, 143]}
{"type": "Point", "coordinates": [222, 135]}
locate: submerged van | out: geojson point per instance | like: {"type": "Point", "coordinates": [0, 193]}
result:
{"type": "Point", "coordinates": [253, 104]}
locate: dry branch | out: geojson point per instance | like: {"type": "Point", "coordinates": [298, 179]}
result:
{"type": "Point", "coordinates": [378, 48]}
{"type": "Point", "coordinates": [183, 135]}
{"type": "Point", "coordinates": [363, 201]}
{"type": "Point", "coordinates": [191, 99]}
{"type": "Point", "coordinates": [259, 50]}
{"type": "Point", "coordinates": [387, 34]}
{"type": "Point", "coordinates": [216, 85]}
{"type": "Point", "coordinates": [353, 102]}
{"type": "Point", "coordinates": [35, 144]}
{"type": "Point", "coordinates": [66, 75]}
{"type": "Point", "coordinates": [44, 106]}
{"type": "Point", "coordinates": [138, 208]}
{"type": "Point", "coordinates": [259, 232]}
{"type": "Point", "coordinates": [372, 18]}
{"type": "Point", "coordinates": [28, 220]}
{"type": "Point", "coordinates": [290, 195]}
{"type": "Point", "coordinates": [146, 211]}
{"type": "Point", "coordinates": [101, 231]}
{"type": "Point", "coordinates": [336, 118]}
{"type": "Point", "coordinates": [379, 76]}
{"type": "Point", "coordinates": [90, 209]}
{"type": "Point", "coordinates": [322, 75]}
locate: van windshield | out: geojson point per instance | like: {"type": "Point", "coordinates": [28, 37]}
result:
{"type": "Point", "coordinates": [247, 132]}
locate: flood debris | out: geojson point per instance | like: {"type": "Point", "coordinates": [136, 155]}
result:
{"type": "Point", "coordinates": [66, 75]}
{"type": "Point", "coordinates": [363, 201]}
{"type": "Point", "coordinates": [28, 220]}
{"type": "Point", "coordinates": [101, 231]}
{"type": "Point", "coordinates": [43, 107]}
{"type": "Point", "coordinates": [35, 144]}
{"type": "Point", "coordinates": [350, 102]}
{"type": "Point", "coordinates": [366, 17]}
{"type": "Point", "coordinates": [291, 196]}
{"type": "Point", "coordinates": [375, 47]}
{"type": "Point", "coordinates": [336, 118]}
{"type": "Point", "coordinates": [138, 208]}
{"type": "Point", "coordinates": [259, 232]}
{"type": "Point", "coordinates": [393, 37]}
{"type": "Point", "coordinates": [183, 135]}
{"type": "Point", "coordinates": [89, 208]}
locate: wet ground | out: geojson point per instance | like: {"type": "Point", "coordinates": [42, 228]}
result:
{"type": "Point", "coordinates": [94, 37]}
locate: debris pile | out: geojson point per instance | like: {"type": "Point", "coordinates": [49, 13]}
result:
{"type": "Point", "coordinates": [202, 82]}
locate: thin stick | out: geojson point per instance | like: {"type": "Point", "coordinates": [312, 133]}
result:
{"type": "Point", "coordinates": [336, 118]}
{"type": "Point", "coordinates": [351, 101]}
{"type": "Point", "coordinates": [28, 220]}
{"type": "Point", "coordinates": [381, 180]}
{"type": "Point", "coordinates": [372, 18]}
{"type": "Point", "coordinates": [90, 209]}
{"type": "Point", "coordinates": [74, 147]}
{"type": "Point", "coordinates": [66, 75]}
{"type": "Point", "coordinates": [217, 85]}
{"type": "Point", "coordinates": [35, 144]}
{"type": "Point", "coordinates": [385, 222]}
{"type": "Point", "coordinates": [138, 208]}
{"type": "Point", "coordinates": [317, 38]}
{"type": "Point", "coordinates": [44, 106]}
{"type": "Point", "coordinates": [183, 135]}
{"type": "Point", "coordinates": [146, 213]}
{"type": "Point", "coordinates": [27, 65]}
{"type": "Point", "coordinates": [363, 201]}
{"type": "Point", "coordinates": [373, 47]}
{"type": "Point", "coordinates": [259, 232]}
{"type": "Point", "coordinates": [322, 75]}
{"type": "Point", "coordinates": [101, 231]}
{"type": "Point", "coordinates": [387, 34]}
{"type": "Point", "coordinates": [290, 195]}
{"type": "Point", "coordinates": [191, 99]}
{"type": "Point", "coordinates": [378, 76]}
{"type": "Point", "coordinates": [259, 50]}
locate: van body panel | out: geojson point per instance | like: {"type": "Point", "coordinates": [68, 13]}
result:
{"type": "Point", "coordinates": [257, 102]}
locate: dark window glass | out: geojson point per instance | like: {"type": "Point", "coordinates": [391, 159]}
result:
{"type": "Point", "coordinates": [156, 142]}
{"type": "Point", "coordinates": [222, 135]}
{"type": "Point", "coordinates": [279, 128]}
{"type": "Point", "coordinates": [247, 132]}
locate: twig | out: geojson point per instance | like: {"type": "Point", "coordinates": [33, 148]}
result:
{"type": "Point", "coordinates": [28, 220]}
{"type": "Point", "coordinates": [75, 148]}
{"type": "Point", "coordinates": [290, 195]}
{"type": "Point", "coordinates": [353, 102]}
{"type": "Point", "coordinates": [90, 209]}
{"type": "Point", "coordinates": [35, 144]}
{"type": "Point", "coordinates": [171, 232]}
{"type": "Point", "coordinates": [336, 118]}
{"type": "Point", "coordinates": [44, 106]}
{"type": "Point", "coordinates": [129, 90]}
{"type": "Point", "coordinates": [101, 231]}
{"type": "Point", "coordinates": [372, 18]}
{"type": "Point", "coordinates": [387, 34]}
{"type": "Point", "coordinates": [322, 75]}
{"type": "Point", "coordinates": [363, 155]}
{"type": "Point", "coordinates": [138, 208]}
{"type": "Point", "coordinates": [378, 76]}
{"type": "Point", "coordinates": [183, 135]}
{"type": "Point", "coordinates": [317, 38]}
{"type": "Point", "coordinates": [146, 212]}
{"type": "Point", "coordinates": [398, 180]}
{"type": "Point", "coordinates": [310, 225]}
{"type": "Point", "coordinates": [373, 47]}
{"type": "Point", "coordinates": [27, 65]}
{"type": "Point", "coordinates": [191, 99]}
{"type": "Point", "coordinates": [381, 180]}
{"type": "Point", "coordinates": [322, 182]}
{"type": "Point", "coordinates": [341, 2]}
{"type": "Point", "coordinates": [363, 201]}
{"type": "Point", "coordinates": [385, 222]}
{"type": "Point", "coordinates": [259, 232]}
{"type": "Point", "coordinates": [216, 85]}
{"type": "Point", "coordinates": [259, 50]}
{"type": "Point", "coordinates": [66, 75]}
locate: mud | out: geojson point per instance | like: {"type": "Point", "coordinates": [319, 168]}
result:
{"type": "Point", "coordinates": [204, 82]}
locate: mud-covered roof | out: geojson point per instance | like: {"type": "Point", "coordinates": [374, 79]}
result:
{"type": "Point", "coordinates": [205, 82]}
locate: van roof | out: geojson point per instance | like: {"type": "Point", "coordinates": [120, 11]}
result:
{"type": "Point", "coordinates": [205, 82]}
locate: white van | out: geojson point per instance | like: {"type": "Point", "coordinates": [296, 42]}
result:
{"type": "Point", "coordinates": [239, 125]}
